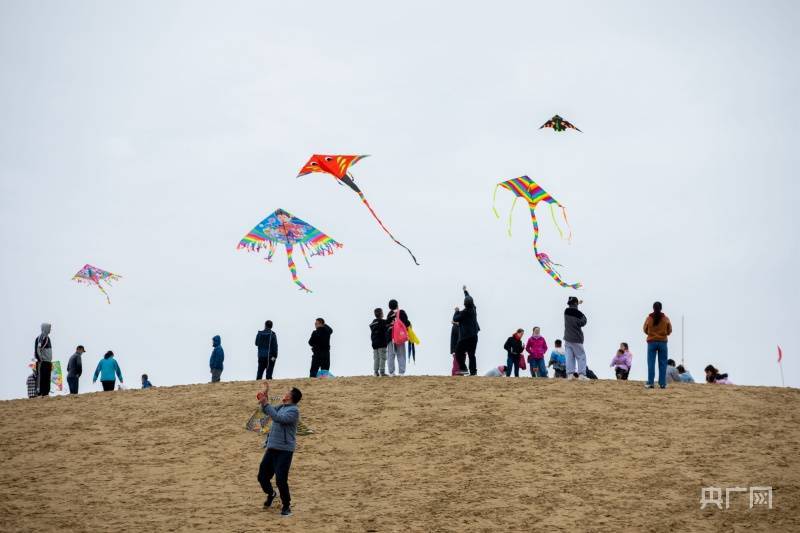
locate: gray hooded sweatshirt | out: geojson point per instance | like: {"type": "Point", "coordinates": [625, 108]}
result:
{"type": "Point", "coordinates": [283, 434]}
{"type": "Point", "coordinates": [43, 347]}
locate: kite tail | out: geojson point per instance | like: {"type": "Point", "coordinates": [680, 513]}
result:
{"type": "Point", "coordinates": [375, 216]}
{"type": "Point", "coordinates": [566, 220]}
{"type": "Point", "coordinates": [544, 260]}
{"type": "Point", "coordinates": [303, 249]}
{"type": "Point", "coordinates": [494, 201]}
{"type": "Point", "coordinates": [555, 221]}
{"type": "Point", "coordinates": [293, 268]}
{"type": "Point", "coordinates": [104, 292]}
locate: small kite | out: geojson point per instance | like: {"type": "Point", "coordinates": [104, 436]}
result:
{"type": "Point", "coordinates": [524, 187]}
{"type": "Point", "coordinates": [281, 227]}
{"type": "Point", "coordinates": [56, 376]}
{"type": "Point", "coordinates": [91, 275]}
{"type": "Point", "coordinates": [558, 124]}
{"type": "Point", "coordinates": [338, 166]}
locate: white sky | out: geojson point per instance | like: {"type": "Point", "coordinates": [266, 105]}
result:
{"type": "Point", "coordinates": [148, 137]}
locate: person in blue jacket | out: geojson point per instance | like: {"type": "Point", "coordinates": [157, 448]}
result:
{"type": "Point", "coordinates": [108, 370]}
{"type": "Point", "coordinates": [281, 444]}
{"type": "Point", "coordinates": [217, 357]}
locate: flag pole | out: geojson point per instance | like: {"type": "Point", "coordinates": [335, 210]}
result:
{"type": "Point", "coordinates": [683, 329]}
{"type": "Point", "coordinates": [780, 365]}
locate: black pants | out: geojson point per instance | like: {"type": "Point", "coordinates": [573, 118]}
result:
{"type": "Point", "coordinates": [45, 368]}
{"type": "Point", "coordinates": [320, 360]}
{"type": "Point", "coordinates": [467, 347]}
{"type": "Point", "coordinates": [265, 363]}
{"type": "Point", "coordinates": [108, 385]}
{"type": "Point", "coordinates": [622, 373]}
{"type": "Point", "coordinates": [276, 463]}
{"type": "Point", "coordinates": [72, 381]}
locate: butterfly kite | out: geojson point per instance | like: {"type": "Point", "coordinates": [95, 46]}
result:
{"type": "Point", "coordinates": [338, 166]}
{"type": "Point", "coordinates": [281, 227]}
{"type": "Point", "coordinates": [95, 276]}
{"type": "Point", "coordinates": [526, 188]}
{"type": "Point", "coordinates": [558, 124]}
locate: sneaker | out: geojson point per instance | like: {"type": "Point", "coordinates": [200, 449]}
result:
{"type": "Point", "coordinates": [570, 377]}
{"type": "Point", "coordinates": [383, 374]}
{"type": "Point", "coordinates": [662, 386]}
{"type": "Point", "coordinates": [286, 511]}
{"type": "Point", "coordinates": [270, 499]}
{"type": "Point", "coordinates": [648, 385]}
{"type": "Point", "coordinates": [582, 378]}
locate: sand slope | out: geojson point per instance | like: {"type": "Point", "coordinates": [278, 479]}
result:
{"type": "Point", "coordinates": [414, 453]}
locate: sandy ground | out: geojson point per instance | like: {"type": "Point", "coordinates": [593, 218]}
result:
{"type": "Point", "coordinates": [413, 453]}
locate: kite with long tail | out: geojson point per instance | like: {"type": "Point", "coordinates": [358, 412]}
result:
{"type": "Point", "coordinates": [91, 275]}
{"type": "Point", "coordinates": [526, 188]}
{"type": "Point", "coordinates": [281, 227]}
{"type": "Point", "coordinates": [338, 166]}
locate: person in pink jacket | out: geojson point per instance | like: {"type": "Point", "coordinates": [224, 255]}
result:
{"type": "Point", "coordinates": [536, 348]}
{"type": "Point", "coordinates": [622, 364]}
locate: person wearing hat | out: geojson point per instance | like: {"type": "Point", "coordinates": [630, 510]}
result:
{"type": "Point", "coordinates": [574, 321]}
{"type": "Point", "coordinates": [75, 369]}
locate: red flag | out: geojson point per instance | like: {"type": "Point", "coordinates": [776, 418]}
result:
{"type": "Point", "coordinates": [780, 353]}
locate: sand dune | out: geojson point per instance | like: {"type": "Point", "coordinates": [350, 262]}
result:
{"type": "Point", "coordinates": [414, 453]}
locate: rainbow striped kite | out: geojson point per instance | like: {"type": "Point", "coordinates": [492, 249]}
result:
{"type": "Point", "coordinates": [524, 187]}
{"type": "Point", "coordinates": [92, 275]}
{"type": "Point", "coordinates": [338, 166]}
{"type": "Point", "coordinates": [281, 227]}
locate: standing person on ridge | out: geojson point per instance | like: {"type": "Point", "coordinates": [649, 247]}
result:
{"type": "Point", "coordinates": [320, 342]}
{"type": "Point", "coordinates": [574, 321]}
{"type": "Point", "coordinates": [468, 328]}
{"type": "Point", "coordinates": [43, 353]}
{"type": "Point", "coordinates": [456, 371]}
{"type": "Point", "coordinates": [558, 360]}
{"type": "Point", "coordinates": [536, 348]}
{"type": "Point", "coordinates": [395, 351]}
{"type": "Point", "coordinates": [657, 327]}
{"type": "Point", "coordinates": [107, 368]}
{"type": "Point", "coordinates": [513, 348]}
{"type": "Point", "coordinates": [267, 342]}
{"type": "Point", "coordinates": [281, 444]}
{"type": "Point", "coordinates": [377, 330]}
{"type": "Point", "coordinates": [74, 370]}
{"type": "Point", "coordinates": [217, 358]}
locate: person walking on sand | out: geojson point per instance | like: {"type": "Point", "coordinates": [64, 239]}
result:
{"type": "Point", "coordinates": [536, 348]}
{"type": "Point", "coordinates": [320, 342]}
{"type": "Point", "coordinates": [377, 330]}
{"type": "Point", "coordinates": [621, 363]}
{"type": "Point", "coordinates": [75, 369]}
{"type": "Point", "coordinates": [43, 353]}
{"type": "Point", "coordinates": [267, 342]}
{"type": "Point", "coordinates": [217, 358]}
{"type": "Point", "coordinates": [468, 328]}
{"type": "Point", "coordinates": [513, 348]}
{"type": "Point", "coordinates": [396, 351]}
{"type": "Point", "coordinates": [281, 444]}
{"type": "Point", "coordinates": [574, 321]}
{"type": "Point", "coordinates": [657, 327]}
{"type": "Point", "coordinates": [107, 369]}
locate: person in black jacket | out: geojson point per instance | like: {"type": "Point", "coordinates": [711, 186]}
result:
{"type": "Point", "coordinates": [395, 351]}
{"type": "Point", "coordinates": [468, 328]}
{"type": "Point", "coordinates": [378, 337]}
{"type": "Point", "coordinates": [320, 342]}
{"type": "Point", "coordinates": [267, 342]}
{"type": "Point", "coordinates": [513, 348]}
{"type": "Point", "coordinates": [75, 369]}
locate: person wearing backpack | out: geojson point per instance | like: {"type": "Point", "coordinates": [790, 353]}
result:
{"type": "Point", "coordinates": [396, 338]}
{"type": "Point", "coordinates": [468, 329]}
{"type": "Point", "coordinates": [320, 343]}
{"type": "Point", "coordinates": [377, 330]}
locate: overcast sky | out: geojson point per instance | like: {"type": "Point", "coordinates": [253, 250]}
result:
{"type": "Point", "coordinates": [147, 138]}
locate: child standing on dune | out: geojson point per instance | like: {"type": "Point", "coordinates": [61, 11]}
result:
{"type": "Point", "coordinates": [558, 360]}
{"type": "Point", "coordinates": [536, 348]}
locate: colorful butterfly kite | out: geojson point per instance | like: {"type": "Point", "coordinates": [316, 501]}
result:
{"type": "Point", "coordinates": [338, 166]}
{"type": "Point", "coordinates": [281, 227]}
{"type": "Point", "coordinates": [524, 187]}
{"type": "Point", "coordinates": [558, 124]}
{"type": "Point", "coordinates": [94, 276]}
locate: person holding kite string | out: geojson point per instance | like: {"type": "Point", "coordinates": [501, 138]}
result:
{"type": "Point", "coordinates": [281, 444]}
{"type": "Point", "coordinates": [468, 328]}
{"type": "Point", "coordinates": [574, 321]}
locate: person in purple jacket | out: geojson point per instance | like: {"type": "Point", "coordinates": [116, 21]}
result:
{"type": "Point", "coordinates": [621, 364]}
{"type": "Point", "coordinates": [536, 348]}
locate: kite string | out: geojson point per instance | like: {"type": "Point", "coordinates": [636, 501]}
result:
{"type": "Point", "coordinates": [375, 216]}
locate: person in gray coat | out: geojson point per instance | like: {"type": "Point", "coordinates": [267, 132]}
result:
{"type": "Point", "coordinates": [281, 444]}
{"type": "Point", "coordinates": [43, 353]}
{"type": "Point", "coordinates": [74, 370]}
{"type": "Point", "coordinates": [574, 321]}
